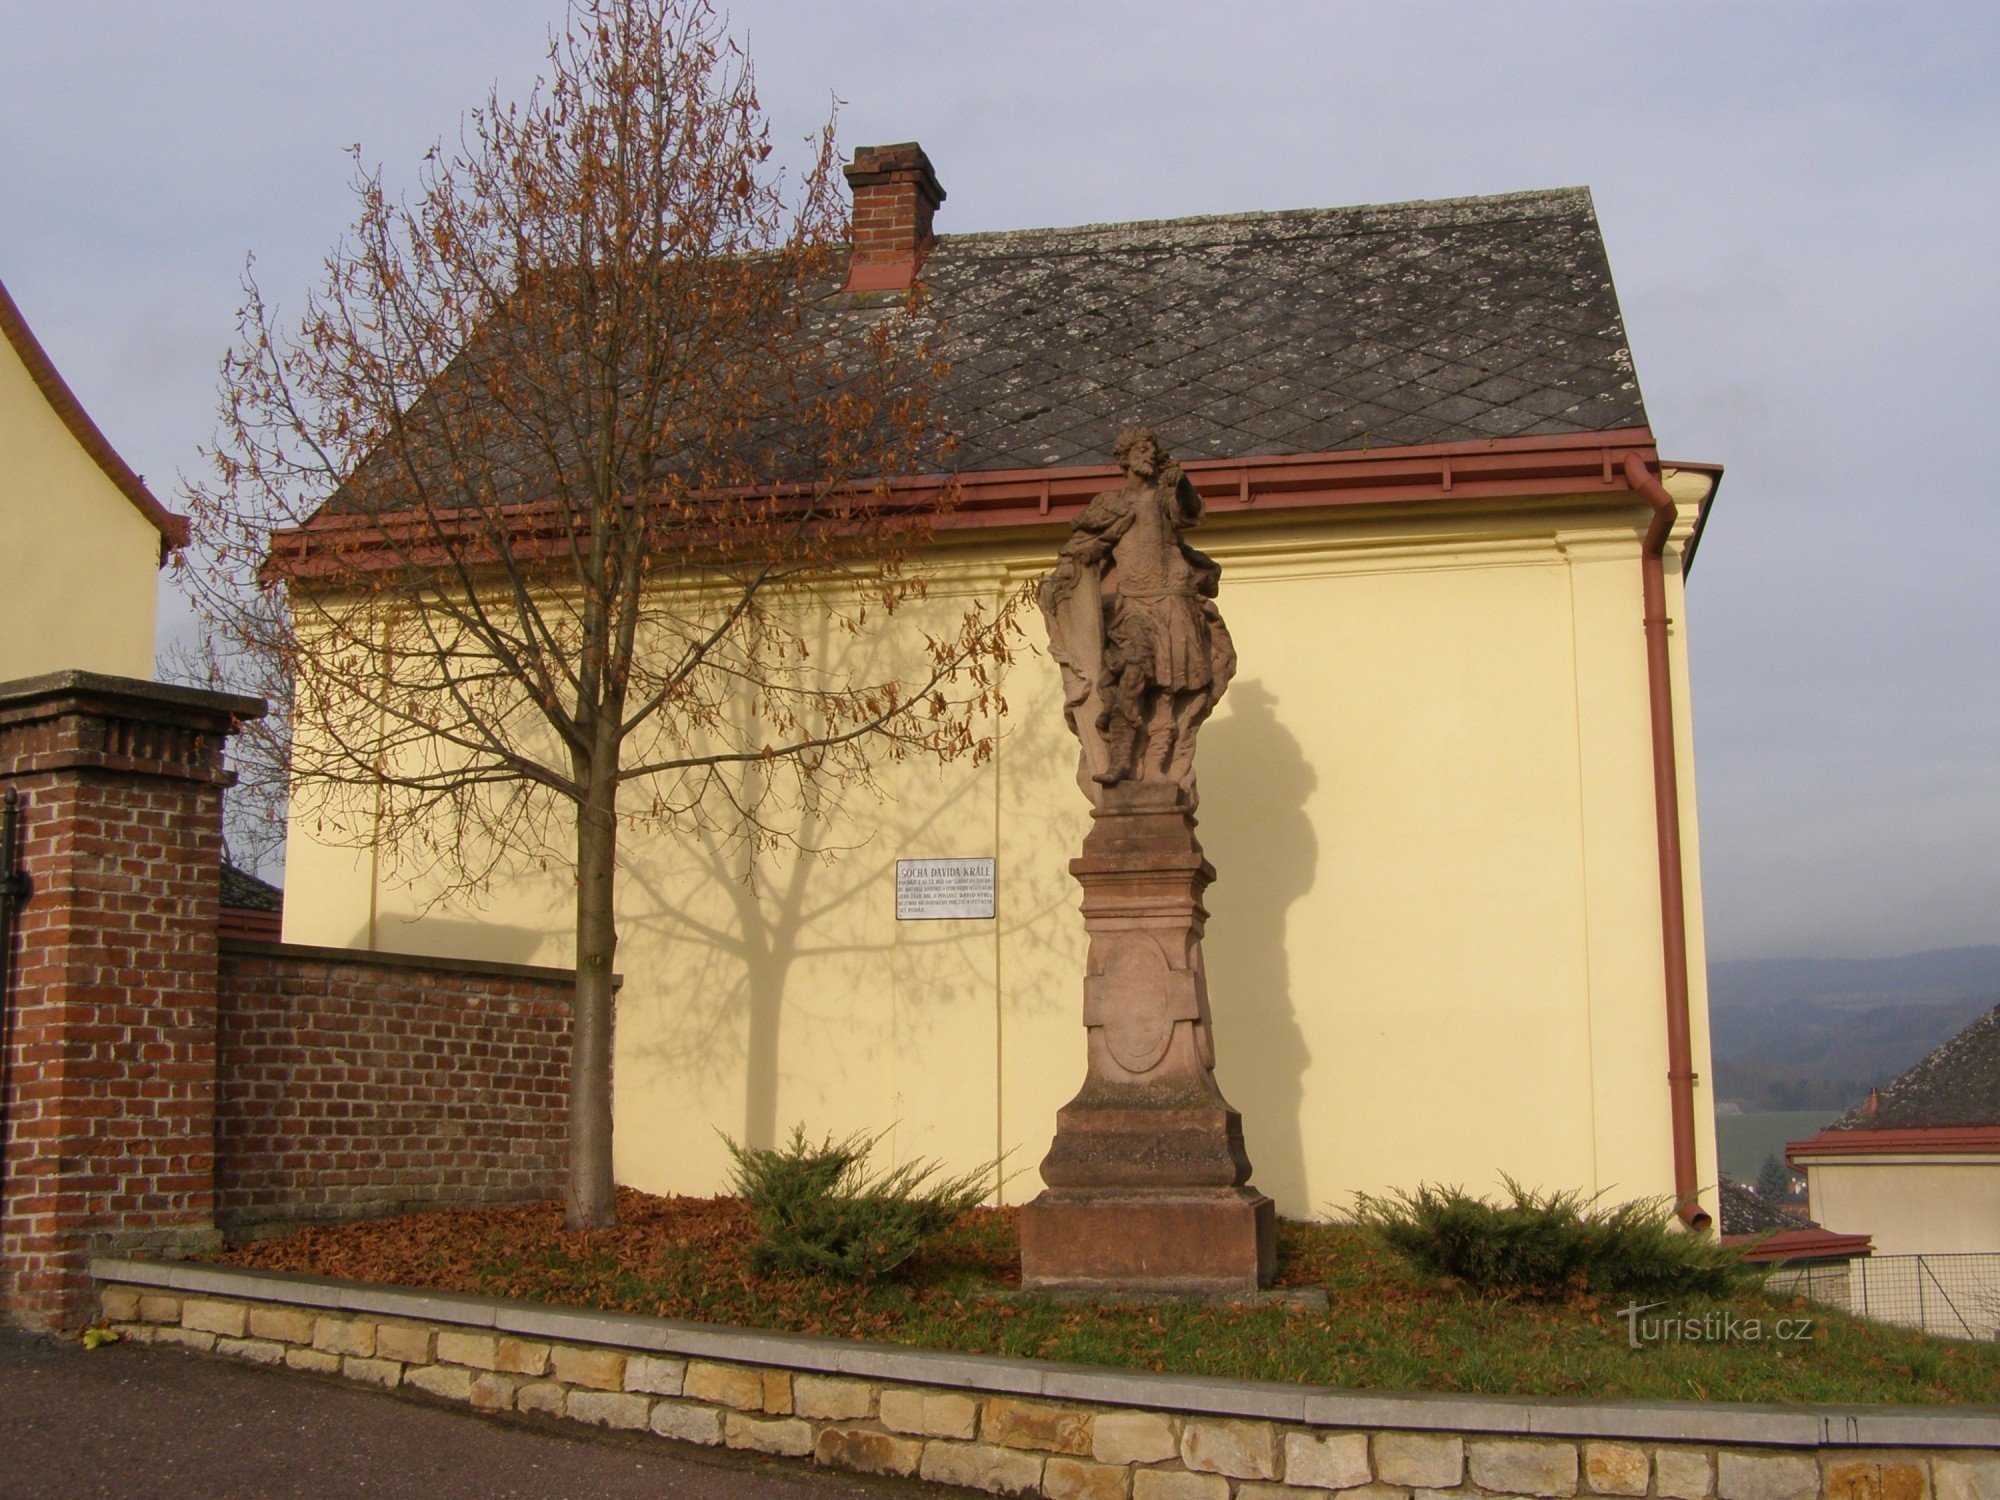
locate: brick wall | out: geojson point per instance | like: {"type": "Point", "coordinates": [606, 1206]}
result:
{"type": "Point", "coordinates": [356, 1084]}
{"type": "Point", "coordinates": [158, 1085]}
{"type": "Point", "coordinates": [107, 1073]}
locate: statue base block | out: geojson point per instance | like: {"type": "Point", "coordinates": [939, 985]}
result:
{"type": "Point", "coordinates": [1192, 1241]}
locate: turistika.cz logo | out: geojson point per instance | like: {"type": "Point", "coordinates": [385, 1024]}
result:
{"type": "Point", "coordinates": [1709, 1328]}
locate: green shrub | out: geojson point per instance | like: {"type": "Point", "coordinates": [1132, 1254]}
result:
{"type": "Point", "coordinates": [820, 1211]}
{"type": "Point", "coordinates": [1550, 1245]}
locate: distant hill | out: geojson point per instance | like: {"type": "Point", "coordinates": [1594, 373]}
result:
{"type": "Point", "coordinates": [1818, 1033]}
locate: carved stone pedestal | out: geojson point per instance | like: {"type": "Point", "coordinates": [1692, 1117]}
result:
{"type": "Point", "coordinates": [1148, 1183]}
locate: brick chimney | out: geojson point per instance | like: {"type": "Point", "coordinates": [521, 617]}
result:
{"type": "Point", "coordinates": [895, 193]}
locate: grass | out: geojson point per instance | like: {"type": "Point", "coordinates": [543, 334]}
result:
{"type": "Point", "coordinates": [1386, 1328]}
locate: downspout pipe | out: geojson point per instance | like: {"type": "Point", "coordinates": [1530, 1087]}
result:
{"type": "Point", "coordinates": [1667, 815]}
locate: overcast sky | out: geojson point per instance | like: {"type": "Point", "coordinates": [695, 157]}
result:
{"type": "Point", "coordinates": [1802, 206]}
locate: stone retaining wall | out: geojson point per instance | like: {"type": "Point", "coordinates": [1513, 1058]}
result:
{"type": "Point", "coordinates": [1023, 1427]}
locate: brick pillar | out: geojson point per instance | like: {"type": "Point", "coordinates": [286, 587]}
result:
{"type": "Point", "coordinates": [107, 1037]}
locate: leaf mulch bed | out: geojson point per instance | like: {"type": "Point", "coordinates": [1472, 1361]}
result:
{"type": "Point", "coordinates": [1385, 1327]}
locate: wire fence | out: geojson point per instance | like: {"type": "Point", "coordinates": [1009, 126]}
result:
{"type": "Point", "coordinates": [1953, 1296]}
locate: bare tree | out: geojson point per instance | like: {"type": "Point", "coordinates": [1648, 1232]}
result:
{"type": "Point", "coordinates": [576, 478]}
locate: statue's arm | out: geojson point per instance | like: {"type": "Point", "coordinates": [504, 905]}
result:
{"type": "Point", "coordinates": [1188, 510]}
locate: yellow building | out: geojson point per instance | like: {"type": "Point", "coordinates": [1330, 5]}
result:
{"type": "Point", "coordinates": [1449, 795]}
{"type": "Point", "coordinates": [1916, 1167]}
{"type": "Point", "coordinates": [81, 536]}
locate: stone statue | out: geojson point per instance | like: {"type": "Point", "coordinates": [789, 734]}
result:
{"type": "Point", "coordinates": [1148, 1180]}
{"type": "Point", "coordinates": [1132, 621]}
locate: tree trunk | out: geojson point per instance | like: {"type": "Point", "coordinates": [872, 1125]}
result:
{"type": "Point", "coordinates": [590, 1203]}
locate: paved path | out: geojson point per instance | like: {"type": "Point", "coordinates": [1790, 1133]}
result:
{"type": "Point", "coordinates": [133, 1422]}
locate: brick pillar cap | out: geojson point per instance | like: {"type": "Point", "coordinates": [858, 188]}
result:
{"type": "Point", "coordinates": [874, 166]}
{"type": "Point", "coordinates": [73, 691]}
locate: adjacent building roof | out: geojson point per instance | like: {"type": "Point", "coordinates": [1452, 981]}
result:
{"type": "Point", "coordinates": [1744, 1211]}
{"type": "Point", "coordinates": [27, 348]}
{"type": "Point", "coordinates": [247, 892]}
{"type": "Point", "coordinates": [1310, 331]}
{"type": "Point", "coordinates": [1957, 1085]}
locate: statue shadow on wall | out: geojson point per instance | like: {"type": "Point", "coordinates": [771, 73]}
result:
{"type": "Point", "coordinates": [1254, 784]}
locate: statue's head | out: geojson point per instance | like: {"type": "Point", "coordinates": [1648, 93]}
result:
{"type": "Point", "coordinates": [1138, 452]}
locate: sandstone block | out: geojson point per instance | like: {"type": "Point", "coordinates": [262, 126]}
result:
{"type": "Point", "coordinates": [491, 1392]}
{"type": "Point", "coordinates": [155, 1307]}
{"type": "Point", "coordinates": [137, 1333]}
{"type": "Point", "coordinates": [1870, 1479]}
{"type": "Point", "coordinates": [313, 1361]}
{"type": "Point", "coordinates": [1421, 1460]}
{"type": "Point", "coordinates": [982, 1466]}
{"type": "Point", "coordinates": [929, 1413]}
{"type": "Point", "coordinates": [655, 1375]}
{"type": "Point", "coordinates": [1967, 1478]}
{"type": "Point", "coordinates": [1326, 1460]}
{"type": "Point", "coordinates": [288, 1325]}
{"type": "Point", "coordinates": [412, 1343]}
{"type": "Point", "coordinates": [832, 1397]}
{"type": "Point", "coordinates": [229, 1319]}
{"type": "Point", "coordinates": [1905, 1481]}
{"type": "Point", "coordinates": [257, 1351]}
{"type": "Point", "coordinates": [186, 1338]}
{"type": "Point", "coordinates": [1242, 1450]}
{"type": "Point", "coordinates": [480, 1351]}
{"type": "Point", "coordinates": [118, 1304]}
{"type": "Point", "coordinates": [610, 1409]}
{"type": "Point", "coordinates": [1132, 1437]}
{"type": "Point", "coordinates": [1172, 1484]}
{"type": "Point", "coordinates": [724, 1385]}
{"type": "Point", "coordinates": [789, 1437]}
{"type": "Point", "coordinates": [685, 1422]}
{"type": "Point", "coordinates": [1035, 1424]}
{"type": "Point", "coordinates": [354, 1336]}
{"type": "Point", "coordinates": [597, 1369]}
{"type": "Point", "coordinates": [1683, 1474]}
{"type": "Point", "coordinates": [778, 1392]}
{"type": "Point", "coordinates": [1261, 1489]}
{"type": "Point", "coordinates": [452, 1382]}
{"type": "Point", "coordinates": [386, 1373]}
{"type": "Point", "coordinates": [866, 1452]}
{"type": "Point", "coordinates": [1616, 1469]}
{"type": "Point", "coordinates": [521, 1357]}
{"type": "Point", "coordinates": [1523, 1466]}
{"type": "Point", "coordinates": [543, 1396]}
{"type": "Point", "coordinates": [1074, 1479]}
{"type": "Point", "coordinates": [1766, 1476]}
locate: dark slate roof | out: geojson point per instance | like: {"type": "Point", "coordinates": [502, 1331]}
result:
{"type": "Point", "coordinates": [1241, 336]}
{"type": "Point", "coordinates": [246, 892]}
{"type": "Point", "coordinates": [1959, 1084]}
{"type": "Point", "coordinates": [1274, 333]}
{"type": "Point", "coordinates": [1744, 1212]}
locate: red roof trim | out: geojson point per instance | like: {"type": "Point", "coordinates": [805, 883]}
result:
{"type": "Point", "coordinates": [1485, 469]}
{"type": "Point", "coordinates": [249, 924]}
{"type": "Point", "coordinates": [1913, 1140]}
{"type": "Point", "coordinates": [62, 400]}
{"type": "Point", "coordinates": [1801, 1244]}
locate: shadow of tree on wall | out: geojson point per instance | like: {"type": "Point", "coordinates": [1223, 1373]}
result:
{"type": "Point", "coordinates": [1255, 781]}
{"type": "Point", "coordinates": [770, 963]}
